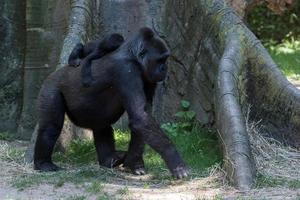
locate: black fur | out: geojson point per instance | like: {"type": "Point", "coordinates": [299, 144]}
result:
{"type": "Point", "coordinates": [124, 80]}
{"type": "Point", "coordinates": [84, 54]}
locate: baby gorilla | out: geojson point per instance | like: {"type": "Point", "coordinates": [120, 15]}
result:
{"type": "Point", "coordinates": [84, 54]}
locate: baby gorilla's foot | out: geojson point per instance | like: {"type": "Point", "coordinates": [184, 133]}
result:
{"type": "Point", "coordinates": [46, 166]}
{"type": "Point", "coordinates": [75, 63]}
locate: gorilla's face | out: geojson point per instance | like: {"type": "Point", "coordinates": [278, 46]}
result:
{"type": "Point", "coordinates": [152, 55]}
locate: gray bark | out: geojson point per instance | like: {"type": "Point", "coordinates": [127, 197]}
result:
{"type": "Point", "coordinates": [46, 22]}
{"type": "Point", "coordinates": [12, 51]}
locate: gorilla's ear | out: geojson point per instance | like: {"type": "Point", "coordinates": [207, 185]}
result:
{"type": "Point", "coordinates": [146, 33]}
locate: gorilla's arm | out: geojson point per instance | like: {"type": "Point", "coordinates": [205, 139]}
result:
{"type": "Point", "coordinates": [130, 85]}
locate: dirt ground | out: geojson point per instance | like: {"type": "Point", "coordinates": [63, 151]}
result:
{"type": "Point", "coordinates": [123, 185]}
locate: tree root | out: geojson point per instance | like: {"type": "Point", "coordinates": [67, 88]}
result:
{"type": "Point", "coordinates": [274, 99]}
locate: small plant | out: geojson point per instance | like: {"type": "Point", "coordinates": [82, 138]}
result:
{"type": "Point", "coordinates": [6, 136]}
{"type": "Point", "coordinates": [79, 151]}
{"type": "Point", "coordinates": [185, 120]}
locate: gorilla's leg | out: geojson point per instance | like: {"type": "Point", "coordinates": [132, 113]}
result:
{"type": "Point", "coordinates": [51, 119]}
{"type": "Point", "coordinates": [105, 147]}
{"type": "Point", "coordinates": [134, 159]}
{"type": "Point", "coordinates": [76, 55]}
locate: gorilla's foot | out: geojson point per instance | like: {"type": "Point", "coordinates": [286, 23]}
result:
{"type": "Point", "coordinates": [136, 167]}
{"type": "Point", "coordinates": [115, 160]}
{"type": "Point", "coordinates": [180, 172]}
{"type": "Point", "coordinates": [139, 170]}
{"type": "Point", "coordinates": [46, 166]}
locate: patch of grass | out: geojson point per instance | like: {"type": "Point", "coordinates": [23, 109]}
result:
{"type": "Point", "coordinates": [287, 56]}
{"type": "Point", "coordinates": [123, 191]}
{"type": "Point", "coordinates": [76, 197]}
{"type": "Point", "coordinates": [77, 176]}
{"type": "Point", "coordinates": [198, 146]}
{"type": "Point", "coordinates": [95, 187]}
{"type": "Point", "coordinates": [199, 149]}
{"type": "Point", "coordinates": [122, 139]}
{"type": "Point", "coordinates": [79, 152]}
{"type": "Point", "coordinates": [103, 197]}
{"type": "Point", "coordinates": [267, 181]}
{"type": "Point", "coordinates": [59, 183]}
{"type": "Point", "coordinates": [6, 136]}
{"type": "Point", "coordinates": [13, 155]}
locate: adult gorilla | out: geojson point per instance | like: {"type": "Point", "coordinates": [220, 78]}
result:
{"type": "Point", "coordinates": [124, 80]}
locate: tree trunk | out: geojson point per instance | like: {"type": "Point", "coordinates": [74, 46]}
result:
{"type": "Point", "coordinates": [217, 64]}
{"type": "Point", "coordinates": [12, 51]}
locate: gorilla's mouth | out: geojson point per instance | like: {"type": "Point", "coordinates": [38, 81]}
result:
{"type": "Point", "coordinates": [158, 77]}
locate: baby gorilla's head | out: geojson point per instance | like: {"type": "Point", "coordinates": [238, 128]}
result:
{"type": "Point", "coordinates": [112, 42]}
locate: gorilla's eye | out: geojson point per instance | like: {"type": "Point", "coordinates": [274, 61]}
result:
{"type": "Point", "coordinates": [142, 53]}
{"type": "Point", "coordinates": [163, 58]}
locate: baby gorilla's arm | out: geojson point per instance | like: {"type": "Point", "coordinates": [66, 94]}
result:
{"type": "Point", "coordinates": [91, 51]}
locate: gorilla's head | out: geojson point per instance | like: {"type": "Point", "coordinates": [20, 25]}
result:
{"type": "Point", "coordinates": [151, 53]}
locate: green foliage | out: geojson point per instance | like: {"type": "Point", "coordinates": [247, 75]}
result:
{"type": "Point", "coordinates": [269, 26]}
{"type": "Point", "coordinates": [122, 139]}
{"type": "Point", "coordinates": [79, 151]}
{"type": "Point", "coordinates": [185, 120]}
{"type": "Point", "coordinates": [6, 136]}
{"type": "Point", "coordinates": [198, 146]}
{"type": "Point", "coordinates": [287, 56]}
